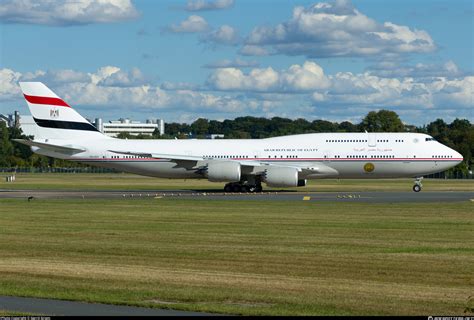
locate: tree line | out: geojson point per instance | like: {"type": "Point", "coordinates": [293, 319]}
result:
{"type": "Point", "coordinates": [459, 134]}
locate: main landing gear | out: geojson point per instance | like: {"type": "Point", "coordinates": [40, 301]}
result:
{"type": "Point", "coordinates": [243, 187]}
{"type": "Point", "coordinates": [418, 185]}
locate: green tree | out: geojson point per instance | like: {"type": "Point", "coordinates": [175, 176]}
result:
{"type": "Point", "coordinates": [438, 129]}
{"type": "Point", "coordinates": [323, 126]}
{"type": "Point", "coordinates": [382, 121]}
{"type": "Point", "coordinates": [124, 135]}
{"type": "Point", "coordinates": [347, 126]}
{"type": "Point", "coordinates": [6, 147]}
{"type": "Point", "coordinates": [200, 126]}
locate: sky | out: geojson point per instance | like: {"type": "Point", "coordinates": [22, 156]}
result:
{"type": "Point", "coordinates": [221, 59]}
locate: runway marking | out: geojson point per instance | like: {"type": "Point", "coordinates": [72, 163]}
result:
{"type": "Point", "coordinates": [306, 198]}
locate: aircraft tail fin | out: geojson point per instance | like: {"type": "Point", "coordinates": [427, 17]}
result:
{"type": "Point", "coordinates": [54, 115]}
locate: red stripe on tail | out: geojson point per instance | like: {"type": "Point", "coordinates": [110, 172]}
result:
{"type": "Point", "coordinates": [46, 100]}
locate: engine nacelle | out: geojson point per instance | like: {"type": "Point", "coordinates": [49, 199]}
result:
{"type": "Point", "coordinates": [223, 171]}
{"type": "Point", "coordinates": [282, 177]}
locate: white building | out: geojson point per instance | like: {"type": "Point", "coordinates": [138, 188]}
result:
{"type": "Point", "coordinates": [114, 128]}
{"type": "Point", "coordinates": [215, 136]}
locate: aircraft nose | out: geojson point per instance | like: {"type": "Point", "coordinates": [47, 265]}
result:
{"type": "Point", "coordinates": [457, 156]}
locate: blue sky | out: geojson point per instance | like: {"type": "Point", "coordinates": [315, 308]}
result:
{"type": "Point", "coordinates": [181, 60]}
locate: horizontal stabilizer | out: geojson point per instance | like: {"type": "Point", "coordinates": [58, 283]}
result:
{"type": "Point", "coordinates": [52, 147]}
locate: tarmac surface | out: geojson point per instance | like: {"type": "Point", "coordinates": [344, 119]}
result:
{"type": "Point", "coordinates": [74, 308]}
{"type": "Point", "coordinates": [371, 196]}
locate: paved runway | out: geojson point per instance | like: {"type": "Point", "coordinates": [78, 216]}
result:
{"type": "Point", "coordinates": [377, 197]}
{"type": "Point", "coordinates": [74, 308]}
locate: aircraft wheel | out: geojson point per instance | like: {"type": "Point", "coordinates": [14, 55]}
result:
{"type": "Point", "coordinates": [236, 188]}
{"type": "Point", "coordinates": [258, 188]}
{"type": "Point", "coordinates": [417, 188]}
{"type": "Point", "coordinates": [228, 188]}
{"type": "Point", "coordinates": [251, 188]}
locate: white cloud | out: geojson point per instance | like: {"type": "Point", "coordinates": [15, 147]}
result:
{"type": "Point", "coordinates": [223, 35]}
{"type": "Point", "coordinates": [54, 77]}
{"type": "Point", "coordinates": [178, 86]}
{"type": "Point", "coordinates": [205, 101]}
{"type": "Point", "coordinates": [105, 76]}
{"type": "Point", "coordinates": [337, 29]}
{"type": "Point", "coordinates": [298, 78]}
{"type": "Point", "coordinates": [371, 91]}
{"type": "Point", "coordinates": [9, 89]}
{"type": "Point", "coordinates": [390, 69]}
{"type": "Point", "coordinates": [251, 50]}
{"type": "Point", "coordinates": [66, 12]}
{"type": "Point", "coordinates": [90, 94]}
{"type": "Point", "coordinates": [120, 78]}
{"type": "Point", "coordinates": [309, 76]}
{"type": "Point", "coordinates": [193, 24]}
{"type": "Point", "coordinates": [368, 90]}
{"type": "Point", "coordinates": [109, 86]}
{"type": "Point", "coordinates": [405, 39]}
{"type": "Point", "coordinates": [201, 5]}
{"type": "Point", "coordinates": [261, 91]}
{"type": "Point", "coordinates": [232, 79]}
{"type": "Point", "coordinates": [458, 93]}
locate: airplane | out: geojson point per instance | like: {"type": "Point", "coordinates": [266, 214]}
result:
{"type": "Point", "coordinates": [243, 164]}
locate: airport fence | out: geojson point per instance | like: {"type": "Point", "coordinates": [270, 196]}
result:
{"type": "Point", "coordinates": [439, 175]}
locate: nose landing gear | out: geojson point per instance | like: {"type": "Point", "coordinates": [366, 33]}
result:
{"type": "Point", "coordinates": [418, 185]}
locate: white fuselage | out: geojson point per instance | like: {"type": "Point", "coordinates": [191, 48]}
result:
{"type": "Point", "coordinates": [352, 155]}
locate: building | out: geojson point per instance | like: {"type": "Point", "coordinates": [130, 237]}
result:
{"type": "Point", "coordinates": [11, 120]}
{"type": "Point", "coordinates": [114, 128]}
{"type": "Point", "coordinates": [215, 136]}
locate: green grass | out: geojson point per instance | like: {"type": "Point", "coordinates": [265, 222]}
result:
{"type": "Point", "coordinates": [242, 257]}
{"type": "Point", "coordinates": [10, 313]}
{"type": "Point", "coordinates": [83, 181]}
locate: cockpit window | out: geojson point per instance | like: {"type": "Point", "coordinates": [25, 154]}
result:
{"type": "Point", "coordinates": [430, 139]}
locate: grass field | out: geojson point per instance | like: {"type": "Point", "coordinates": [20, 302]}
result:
{"type": "Point", "coordinates": [236, 257]}
{"type": "Point", "coordinates": [83, 181]}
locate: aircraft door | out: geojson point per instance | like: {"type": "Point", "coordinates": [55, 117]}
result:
{"type": "Point", "coordinates": [372, 139]}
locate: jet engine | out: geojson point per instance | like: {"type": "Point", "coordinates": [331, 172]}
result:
{"type": "Point", "coordinates": [223, 171]}
{"type": "Point", "coordinates": [282, 177]}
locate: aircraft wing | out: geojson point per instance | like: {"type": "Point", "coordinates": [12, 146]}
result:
{"type": "Point", "coordinates": [160, 155]}
{"type": "Point", "coordinates": [256, 167]}
{"type": "Point", "coordinates": [180, 157]}
{"type": "Point", "coordinates": [51, 147]}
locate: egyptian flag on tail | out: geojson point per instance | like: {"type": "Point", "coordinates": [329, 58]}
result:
{"type": "Point", "coordinates": [50, 111]}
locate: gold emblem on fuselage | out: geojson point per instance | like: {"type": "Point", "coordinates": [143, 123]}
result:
{"type": "Point", "coordinates": [369, 167]}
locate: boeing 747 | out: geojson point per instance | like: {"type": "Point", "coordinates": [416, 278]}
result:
{"type": "Point", "coordinates": [286, 161]}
